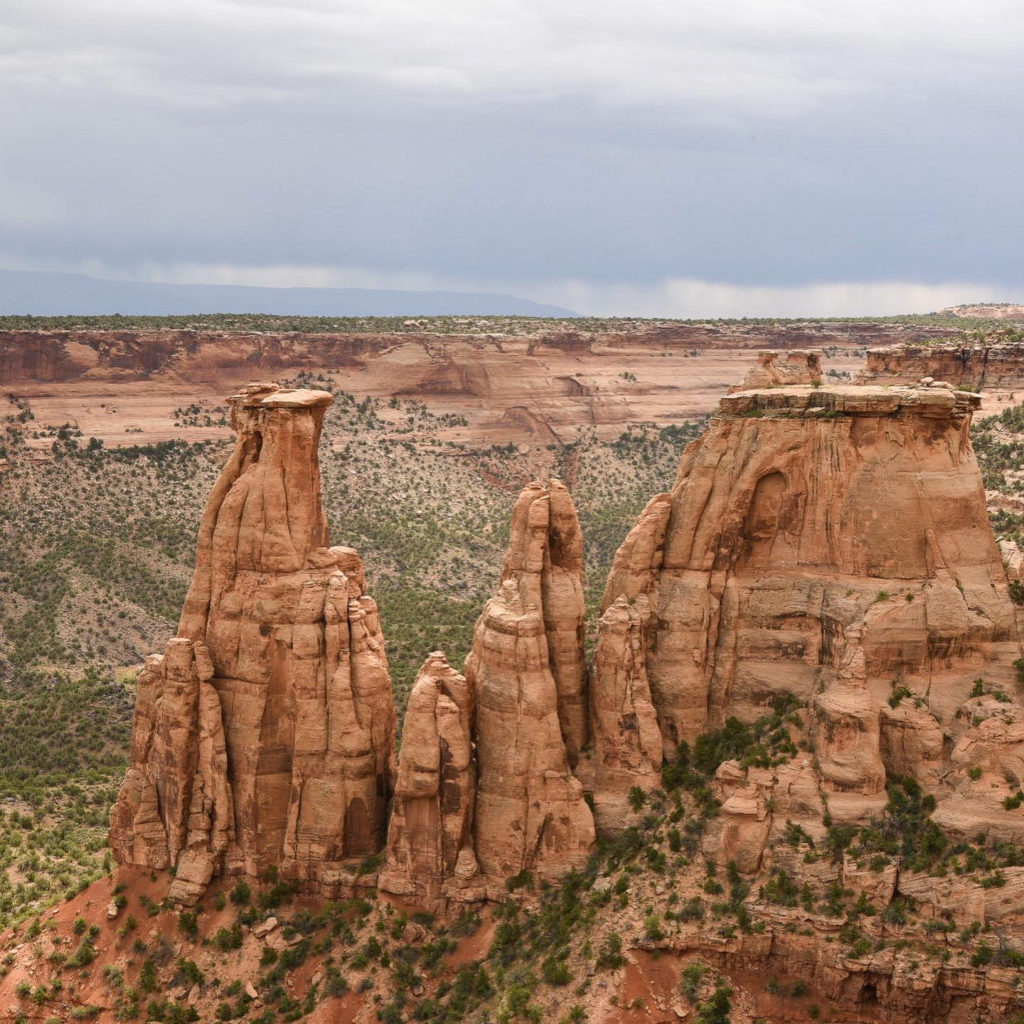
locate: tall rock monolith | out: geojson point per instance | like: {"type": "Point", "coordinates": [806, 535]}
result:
{"type": "Point", "coordinates": [526, 668]}
{"type": "Point", "coordinates": [270, 717]}
{"type": "Point", "coordinates": [430, 850]}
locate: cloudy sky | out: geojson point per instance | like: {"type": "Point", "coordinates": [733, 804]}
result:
{"type": "Point", "coordinates": [649, 157]}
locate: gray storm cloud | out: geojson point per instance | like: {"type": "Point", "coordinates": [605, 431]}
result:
{"type": "Point", "coordinates": [597, 148]}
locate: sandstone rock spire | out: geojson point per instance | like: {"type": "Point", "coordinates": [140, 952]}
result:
{"type": "Point", "coordinates": [526, 668]}
{"type": "Point", "coordinates": [430, 851]}
{"type": "Point", "coordinates": [545, 559]}
{"type": "Point", "coordinates": [271, 717]}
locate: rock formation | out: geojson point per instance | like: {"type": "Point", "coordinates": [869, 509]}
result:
{"type": "Point", "coordinates": [627, 740]}
{"type": "Point", "coordinates": [265, 734]}
{"type": "Point", "coordinates": [430, 851]}
{"type": "Point", "coordinates": [176, 806]}
{"type": "Point", "coordinates": [778, 368]}
{"type": "Point", "coordinates": [831, 544]}
{"type": "Point", "coordinates": [821, 585]}
{"type": "Point", "coordinates": [546, 546]}
{"type": "Point", "coordinates": [967, 364]}
{"type": "Point", "coordinates": [526, 668]}
{"type": "Point", "coordinates": [89, 354]}
{"type": "Point", "coordinates": [988, 311]}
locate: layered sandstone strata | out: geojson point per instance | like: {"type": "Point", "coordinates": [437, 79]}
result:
{"type": "Point", "coordinates": [526, 668]}
{"type": "Point", "coordinates": [176, 806]}
{"type": "Point", "coordinates": [967, 364]}
{"type": "Point", "coordinates": [627, 740]}
{"type": "Point", "coordinates": [288, 676]}
{"type": "Point", "coordinates": [831, 544]}
{"type": "Point", "coordinates": [545, 559]}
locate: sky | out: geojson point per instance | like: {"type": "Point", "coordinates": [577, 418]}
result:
{"type": "Point", "coordinates": [649, 157]}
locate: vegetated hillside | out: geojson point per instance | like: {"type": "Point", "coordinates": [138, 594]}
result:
{"type": "Point", "coordinates": [97, 548]}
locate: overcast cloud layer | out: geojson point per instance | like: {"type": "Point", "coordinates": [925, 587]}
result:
{"type": "Point", "coordinates": [656, 158]}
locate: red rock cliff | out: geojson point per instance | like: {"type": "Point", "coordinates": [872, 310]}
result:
{"type": "Point", "coordinates": [527, 670]}
{"type": "Point", "coordinates": [825, 543]}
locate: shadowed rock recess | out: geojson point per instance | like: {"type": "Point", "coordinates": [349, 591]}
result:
{"type": "Point", "coordinates": [823, 560]}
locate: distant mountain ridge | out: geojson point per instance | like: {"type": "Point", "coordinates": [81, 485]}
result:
{"type": "Point", "coordinates": [38, 293]}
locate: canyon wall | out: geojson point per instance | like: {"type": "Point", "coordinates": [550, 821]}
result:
{"type": "Point", "coordinates": [965, 366]}
{"type": "Point", "coordinates": [196, 354]}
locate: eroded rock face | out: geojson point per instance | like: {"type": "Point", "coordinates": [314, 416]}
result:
{"type": "Point", "coordinates": [963, 365]}
{"type": "Point", "coordinates": [778, 368]}
{"type": "Point", "coordinates": [545, 559]}
{"type": "Point", "coordinates": [430, 843]}
{"type": "Point", "coordinates": [176, 806]}
{"type": "Point", "coordinates": [740, 831]}
{"type": "Point", "coordinates": [912, 742]}
{"type": "Point", "coordinates": [526, 668]}
{"type": "Point", "coordinates": [627, 741]}
{"type": "Point", "coordinates": [291, 679]}
{"type": "Point", "coordinates": [829, 544]}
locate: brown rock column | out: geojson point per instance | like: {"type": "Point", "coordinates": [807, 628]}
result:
{"type": "Point", "coordinates": [430, 844]}
{"type": "Point", "coordinates": [545, 556]}
{"type": "Point", "coordinates": [627, 740]}
{"type": "Point", "coordinates": [175, 804]}
{"type": "Point", "coordinates": [530, 808]}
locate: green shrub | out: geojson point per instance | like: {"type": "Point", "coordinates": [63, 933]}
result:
{"type": "Point", "coordinates": [555, 971]}
{"type": "Point", "coordinates": [609, 956]}
{"type": "Point", "coordinates": [241, 894]}
{"type": "Point", "coordinates": [228, 939]}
